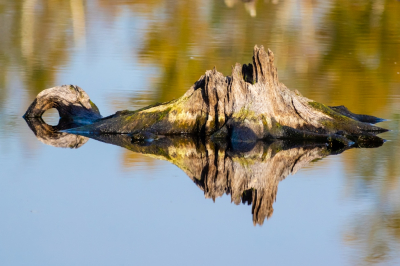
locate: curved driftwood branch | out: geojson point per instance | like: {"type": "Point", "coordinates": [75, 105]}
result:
{"type": "Point", "coordinates": [71, 102]}
{"type": "Point", "coordinates": [247, 106]}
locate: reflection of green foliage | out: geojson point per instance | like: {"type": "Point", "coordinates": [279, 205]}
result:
{"type": "Point", "coordinates": [349, 56]}
{"type": "Point", "coordinates": [35, 40]}
{"type": "Point", "coordinates": [361, 53]}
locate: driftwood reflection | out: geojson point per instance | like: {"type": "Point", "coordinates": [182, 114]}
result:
{"type": "Point", "coordinates": [52, 136]}
{"type": "Point", "coordinates": [249, 5]}
{"type": "Point", "coordinates": [249, 172]}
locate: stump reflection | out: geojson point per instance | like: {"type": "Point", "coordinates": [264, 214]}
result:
{"type": "Point", "coordinates": [51, 135]}
{"type": "Point", "coordinates": [249, 172]}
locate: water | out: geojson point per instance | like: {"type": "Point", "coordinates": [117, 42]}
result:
{"type": "Point", "coordinates": [101, 204]}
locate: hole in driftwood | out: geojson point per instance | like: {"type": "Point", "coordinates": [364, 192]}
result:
{"type": "Point", "coordinates": [51, 117]}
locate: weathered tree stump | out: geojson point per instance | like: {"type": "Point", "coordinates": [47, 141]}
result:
{"type": "Point", "coordinates": [247, 106]}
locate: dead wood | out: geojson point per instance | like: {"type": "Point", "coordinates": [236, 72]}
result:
{"type": "Point", "coordinates": [71, 102]}
{"type": "Point", "coordinates": [247, 106]}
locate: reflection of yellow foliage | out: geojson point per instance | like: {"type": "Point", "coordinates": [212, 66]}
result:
{"type": "Point", "coordinates": [37, 39]}
{"type": "Point", "coordinates": [113, 8]}
{"type": "Point", "coordinates": [132, 159]}
{"type": "Point", "coordinates": [78, 20]}
{"type": "Point", "coordinates": [320, 48]}
{"type": "Point", "coordinates": [27, 27]}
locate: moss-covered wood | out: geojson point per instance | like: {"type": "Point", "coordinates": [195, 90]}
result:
{"type": "Point", "coordinates": [249, 105]}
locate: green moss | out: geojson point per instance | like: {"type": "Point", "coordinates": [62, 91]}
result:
{"type": "Point", "coordinates": [94, 107]}
{"type": "Point", "coordinates": [211, 125]}
{"type": "Point", "coordinates": [265, 123]}
{"type": "Point", "coordinates": [328, 111]}
{"type": "Point", "coordinates": [163, 153]}
{"type": "Point", "coordinates": [244, 162]}
{"type": "Point", "coordinates": [245, 113]}
{"type": "Point", "coordinates": [338, 121]}
{"type": "Point", "coordinates": [163, 114]}
{"type": "Point", "coordinates": [149, 107]}
{"type": "Point", "coordinates": [276, 129]}
{"type": "Point", "coordinates": [154, 118]}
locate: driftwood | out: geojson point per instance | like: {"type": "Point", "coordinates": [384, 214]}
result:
{"type": "Point", "coordinates": [71, 102]}
{"type": "Point", "coordinates": [247, 106]}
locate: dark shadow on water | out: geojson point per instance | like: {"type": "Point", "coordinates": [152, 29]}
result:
{"type": "Point", "coordinates": [249, 172]}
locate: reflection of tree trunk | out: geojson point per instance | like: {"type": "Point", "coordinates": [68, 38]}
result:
{"type": "Point", "coordinates": [307, 39]}
{"type": "Point", "coordinates": [52, 136]}
{"type": "Point", "coordinates": [249, 5]}
{"type": "Point", "coordinates": [230, 3]}
{"type": "Point", "coordinates": [78, 21]}
{"type": "Point", "coordinates": [250, 174]}
{"type": "Point", "coordinates": [248, 106]}
{"type": "Point", "coordinates": [27, 28]}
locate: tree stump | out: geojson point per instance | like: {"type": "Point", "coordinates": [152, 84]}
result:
{"type": "Point", "coordinates": [247, 106]}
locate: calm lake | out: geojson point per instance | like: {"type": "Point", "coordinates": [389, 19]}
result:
{"type": "Point", "coordinates": [102, 204]}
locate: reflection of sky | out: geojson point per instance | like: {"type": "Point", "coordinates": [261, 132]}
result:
{"type": "Point", "coordinates": [85, 207]}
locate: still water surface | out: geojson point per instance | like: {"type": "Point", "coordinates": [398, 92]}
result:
{"type": "Point", "coordinates": [102, 204]}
